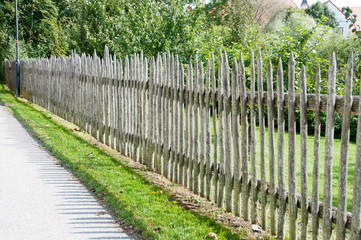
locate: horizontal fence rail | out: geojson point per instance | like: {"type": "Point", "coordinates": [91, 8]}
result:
{"type": "Point", "coordinates": [197, 125]}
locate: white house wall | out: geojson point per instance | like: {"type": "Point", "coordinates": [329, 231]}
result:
{"type": "Point", "coordinates": [342, 22]}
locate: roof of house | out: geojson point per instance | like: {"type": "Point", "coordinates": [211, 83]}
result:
{"type": "Point", "coordinates": [329, 1]}
{"type": "Point", "coordinates": [290, 3]}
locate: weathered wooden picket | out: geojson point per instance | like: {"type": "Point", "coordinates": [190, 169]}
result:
{"type": "Point", "coordinates": [199, 130]}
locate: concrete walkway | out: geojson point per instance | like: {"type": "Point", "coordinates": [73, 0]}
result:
{"type": "Point", "coordinates": [41, 200]}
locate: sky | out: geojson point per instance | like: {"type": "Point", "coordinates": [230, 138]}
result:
{"type": "Point", "coordinates": [338, 3]}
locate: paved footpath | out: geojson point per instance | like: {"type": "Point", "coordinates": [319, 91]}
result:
{"type": "Point", "coordinates": [41, 200]}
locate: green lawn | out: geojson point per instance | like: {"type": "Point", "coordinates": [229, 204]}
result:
{"type": "Point", "coordinates": [128, 193]}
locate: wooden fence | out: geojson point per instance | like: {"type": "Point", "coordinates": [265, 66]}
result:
{"type": "Point", "coordinates": [197, 127]}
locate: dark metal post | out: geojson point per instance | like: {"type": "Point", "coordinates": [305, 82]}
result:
{"type": "Point", "coordinates": [17, 52]}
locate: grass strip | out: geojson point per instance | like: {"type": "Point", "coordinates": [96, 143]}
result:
{"type": "Point", "coordinates": [154, 213]}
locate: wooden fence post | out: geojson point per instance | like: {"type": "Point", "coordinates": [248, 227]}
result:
{"type": "Point", "coordinates": [244, 141]}
{"type": "Point", "coordinates": [271, 147]}
{"type": "Point", "coordinates": [280, 151]}
{"type": "Point", "coordinates": [316, 158]}
{"type": "Point", "coordinates": [236, 136]}
{"type": "Point", "coordinates": [330, 119]}
{"type": "Point", "coordinates": [253, 145]}
{"type": "Point", "coordinates": [304, 167]}
{"type": "Point", "coordinates": [345, 138]}
{"type": "Point", "coordinates": [292, 150]}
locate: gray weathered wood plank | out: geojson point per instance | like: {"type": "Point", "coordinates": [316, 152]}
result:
{"type": "Point", "coordinates": [271, 148]}
{"type": "Point", "coordinates": [280, 151]}
{"type": "Point", "coordinates": [221, 176]}
{"type": "Point", "coordinates": [236, 137]}
{"type": "Point", "coordinates": [195, 155]}
{"type": "Point", "coordinates": [208, 149]}
{"type": "Point", "coordinates": [253, 144]}
{"type": "Point", "coordinates": [262, 148]}
{"type": "Point", "coordinates": [203, 133]}
{"type": "Point", "coordinates": [345, 140]}
{"type": "Point", "coordinates": [316, 159]}
{"type": "Point", "coordinates": [303, 147]}
{"type": "Point", "coordinates": [244, 141]}
{"type": "Point", "coordinates": [356, 200]}
{"type": "Point", "coordinates": [215, 130]}
{"type": "Point", "coordinates": [329, 142]}
{"type": "Point", "coordinates": [292, 183]}
{"type": "Point", "coordinates": [227, 135]}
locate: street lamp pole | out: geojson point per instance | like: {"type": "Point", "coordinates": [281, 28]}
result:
{"type": "Point", "coordinates": [17, 52]}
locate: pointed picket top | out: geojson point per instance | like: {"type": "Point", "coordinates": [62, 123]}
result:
{"type": "Point", "coordinates": [106, 52]}
{"type": "Point", "coordinates": [181, 78]}
{"type": "Point", "coordinates": [220, 73]}
{"type": "Point", "coordinates": [242, 73]}
{"type": "Point", "coordinates": [152, 71]}
{"type": "Point", "coordinates": [208, 77]}
{"type": "Point", "coordinates": [190, 76]}
{"type": "Point", "coordinates": [173, 73]}
{"type": "Point", "coordinates": [201, 77]}
{"type": "Point", "coordinates": [291, 69]}
{"type": "Point", "coordinates": [126, 68]}
{"type": "Point", "coordinates": [280, 88]}
{"type": "Point", "coordinates": [226, 84]}
{"type": "Point", "coordinates": [253, 75]}
{"type": "Point", "coordinates": [196, 74]}
{"type": "Point", "coordinates": [120, 62]}
{"type": "Point", "coordinates": [270, 81]}
{"type": "Point", "coordinates": [213, 74]}
{"type": "Point", "coordinates": [259, 75]}
{"type": "Point", "coordinates": [95, 54]}
{"type": "Point", "coordinates": [177, 80]}
{"type": "Point", "coordinates": [303, 79]}
{"type": "Point", "coordinates": [159, 69]}
{"type": "Point", "coordinates": [138, 68]}
{"type": "Point", "coordinates": [164, 70]}
{"type": "Point", "coordinates": [145, 69]}
{"type": "Point", "coordinates": [115, 67]}
{"type": "Point", "coordinates": [169, 66]}
{"type": "Point", "coordinates": [235, 77]}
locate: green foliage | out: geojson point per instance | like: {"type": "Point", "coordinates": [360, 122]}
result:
{"type": "Point", "coordinates": [322, 14]}
{"type": "Point", "coordinates": [352, 18]}
{"type": "Point", "coordinates": [356, 30]}
{"type": "Point", "coordinates": [131, 26]}
{"type": "Point", "coordinates": [294, 31]}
